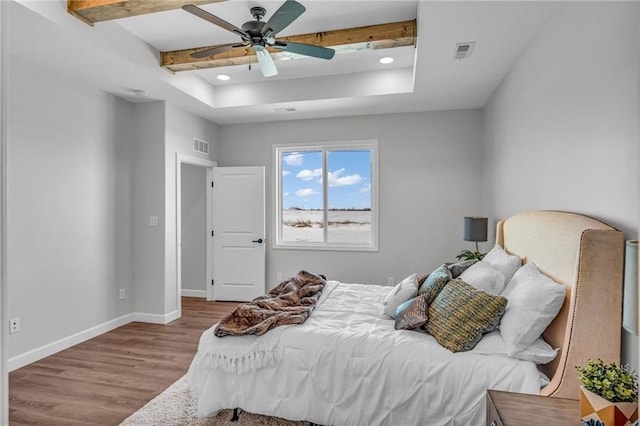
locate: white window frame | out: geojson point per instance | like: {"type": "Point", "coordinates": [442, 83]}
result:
{"type": "Point", "coordinates": [369, 144]}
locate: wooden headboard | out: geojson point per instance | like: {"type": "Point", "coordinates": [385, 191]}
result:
{"type": "Point", "coordinates": [587, 256]}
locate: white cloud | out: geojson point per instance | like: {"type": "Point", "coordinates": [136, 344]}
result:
{"type": "Point", "coordinates": [336, 178]}
{"type": "Point", "coordinates": [365, 188]}
{"type": "Point", "coordinates": [306, 192]}
{"type": "Point", "coordinates": [286, 194]}
{"type": "Point", "coordinates": [286, 172]}
{"type": "Point", "coordinates": [309, 174]}
{"type": "Point", "coordinates": [294, 159]}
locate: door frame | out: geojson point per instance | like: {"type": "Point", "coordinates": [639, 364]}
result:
{"type": "Point", "coordinates": [4, 320]}
{"type": "Point", "coordinates": [200, 162]}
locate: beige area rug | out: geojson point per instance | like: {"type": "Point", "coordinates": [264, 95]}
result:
{"type": "Point", "coordinates": [176, 407]}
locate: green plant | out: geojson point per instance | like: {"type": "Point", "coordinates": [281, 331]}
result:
{"type": "Point", "coordinates": [613, 383]}
{"type": "Point", "coordinates": [592, 422]}
{"type": "Point", "coordinates": [470, 255]}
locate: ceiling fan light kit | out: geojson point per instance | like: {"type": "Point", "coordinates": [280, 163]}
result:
{"type": "Point", "coordinates": [260, 35]}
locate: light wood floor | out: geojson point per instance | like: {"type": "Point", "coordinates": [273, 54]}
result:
{"type": "Point", "coordinates": [104, 380]}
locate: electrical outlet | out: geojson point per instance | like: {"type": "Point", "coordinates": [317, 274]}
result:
{"type": "Point", "coordinates": [14, 325]}
{"type": "Point", "coordinates": [392, 281]}
{"type": "Point", "coordinates": [279, 277]}
{"type": "Point", "coordinates": [121, 294]}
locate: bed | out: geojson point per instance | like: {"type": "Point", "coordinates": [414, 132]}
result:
{"type": "Point", "coordinates": [348, 365]}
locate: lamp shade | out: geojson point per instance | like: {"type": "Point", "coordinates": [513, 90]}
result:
{"type": "Point", "coordinates": [475, 228]}
{"type": "Point", "coordinates": [630, 307]}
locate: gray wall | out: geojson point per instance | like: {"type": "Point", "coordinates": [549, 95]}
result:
{"type": "Point", "coordinates": [562, 128]}
{"type": "Point", "coordinates": [87, 171]}
{"type": "Point", "coordinates": [430, 165]}
{"type": "Point", "coordinates": [162, 131]}
{"type": "Point", "coordinates": [69, 206]}
{"type": "Point", "coordinates": [181, 128]}
{"type": "Point", "coordinates": [148, 199]}
{"type": "Point", "coordinates": [194, 268]}
{"type": "Point", "coordinates": [4, 368]}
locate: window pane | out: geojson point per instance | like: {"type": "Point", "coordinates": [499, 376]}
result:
{"type": "Point", "coordinates": [349, 196]}
{"type": "Point", "coordinates": [302, 205]}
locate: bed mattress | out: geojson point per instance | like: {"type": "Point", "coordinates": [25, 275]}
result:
{"type": "Point", "coordinates": [347, 365]}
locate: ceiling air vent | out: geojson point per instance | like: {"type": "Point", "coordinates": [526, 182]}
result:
{"type": "Point", "coordinates": [463, 50]}
{"type": "Point", "coordinates": [200, 146]}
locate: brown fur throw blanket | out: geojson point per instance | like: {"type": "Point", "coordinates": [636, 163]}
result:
{"type": "Point", "coordinates": [291, 302]}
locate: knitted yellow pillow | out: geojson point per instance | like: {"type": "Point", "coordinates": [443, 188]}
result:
{"type": "Point", "coordinates": [461, 314]}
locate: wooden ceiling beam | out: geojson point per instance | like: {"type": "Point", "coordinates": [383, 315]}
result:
{"type": "Point", "coordinates": [92, 11]}
{"type": "Point", "coordinates": [383, 36]}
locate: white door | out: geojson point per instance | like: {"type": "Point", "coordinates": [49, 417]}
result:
{"type": "Point", "coordinates": [238, 233]}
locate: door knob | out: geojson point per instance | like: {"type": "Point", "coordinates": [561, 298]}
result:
{"type": "Point", "coordinates": [259, 241]}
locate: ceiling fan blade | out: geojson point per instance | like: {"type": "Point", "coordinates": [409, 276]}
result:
{"type": "Point", "coordinates": [305, 49]}
{"type": "Point", "coordinates": [201, 13]}
{"type": "Point", "coordinates": [286, 14]}
{"type": "Point", "coordinates": [215, 50]}
{"type": "Point", "coordinates": [265, 61]}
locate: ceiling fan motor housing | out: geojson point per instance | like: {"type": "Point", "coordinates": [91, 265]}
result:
{"type": "Point", "coordinates": [253, 29]}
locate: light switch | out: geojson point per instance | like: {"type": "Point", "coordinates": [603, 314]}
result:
{"type": "Point", "coordinates": [153, 221]}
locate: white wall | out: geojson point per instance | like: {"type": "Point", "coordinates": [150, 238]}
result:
{"type": "Point", "coordinates": [562, 128]}
{"type": "Point", "coordinates": [194, 268]}
{"type": "Point", "coordinates": [69, 206]}
{"type": "Point", "coordinates": [430, 168]}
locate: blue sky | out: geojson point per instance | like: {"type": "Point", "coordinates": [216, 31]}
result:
{"type": "Point", "coordinates": [349, 176]}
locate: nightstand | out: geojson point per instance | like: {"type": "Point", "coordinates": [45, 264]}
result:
{"type": "Point", "coordinates": [519, 409]}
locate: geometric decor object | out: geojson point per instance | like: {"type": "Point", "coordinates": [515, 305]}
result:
{"type": "Point", "coordinates": [595, 407]}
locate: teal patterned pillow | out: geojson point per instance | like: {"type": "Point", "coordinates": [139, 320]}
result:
{"type": "Point", "coordinates": [434, 283]}
{"type": "Point", "coordinates": [461, 314]}
{"type": "Point", "coordinates": [412, 313]}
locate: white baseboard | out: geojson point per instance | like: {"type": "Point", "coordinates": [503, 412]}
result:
{"type": "Point", "coordinates": [37, 354]}
{"type": "Point", "coordinates": [66, 342]}
{"type": "Point", "coordinates": [156, 318]}
{"type": "Point", "coordinates": [194, 293]}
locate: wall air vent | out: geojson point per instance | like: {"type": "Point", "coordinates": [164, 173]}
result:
{"type": "Point", "coordinates": [200, 146]}
{"type": "Point", "coordinates": [463, 50]}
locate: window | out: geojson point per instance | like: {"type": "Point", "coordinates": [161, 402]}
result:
{"type": "Point", "coordinates": [326, 196]}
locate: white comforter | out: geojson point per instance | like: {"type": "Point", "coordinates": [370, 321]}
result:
{"type": "Point", "coordinates": [347, 365]}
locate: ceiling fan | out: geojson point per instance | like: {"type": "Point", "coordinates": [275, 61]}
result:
{"type": "Point", "coordinates": [261, 35]}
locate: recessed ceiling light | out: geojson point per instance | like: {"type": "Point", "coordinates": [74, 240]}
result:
{"type": "Point", "coordinates": [386, 60]}
{"type": "Point", "coordinates": [223, 77]}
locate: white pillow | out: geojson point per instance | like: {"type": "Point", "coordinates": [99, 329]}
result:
{"type": "Point", "coordinates": [504, 262]}
{"type": "Point", "coordinates": [539, 351]}
{"type": "Point", "coordinates": [403, 291]}
{"type": "Point", "coordinates": [534, 301]}
{"type": "Point", "coordinates": [483, 276]}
